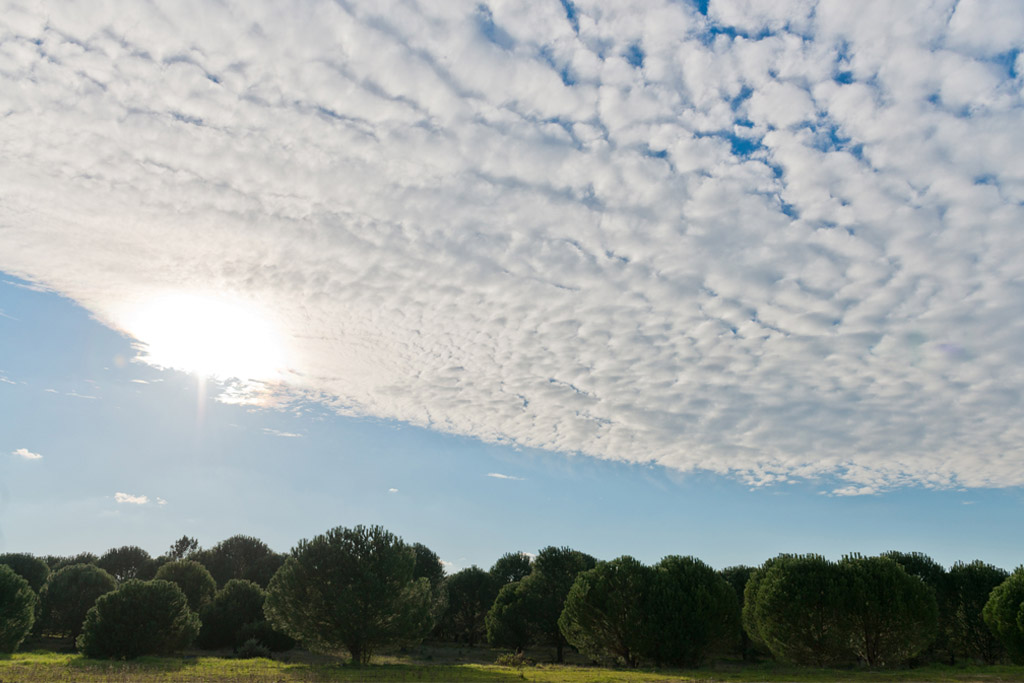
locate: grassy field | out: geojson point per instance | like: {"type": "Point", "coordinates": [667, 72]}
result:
{"type": "Point", "coordinates": [51, 667]}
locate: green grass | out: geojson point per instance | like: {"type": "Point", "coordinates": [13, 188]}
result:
{"type": "Point", "coordinates": [51, 667]}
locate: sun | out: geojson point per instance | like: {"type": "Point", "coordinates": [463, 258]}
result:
{"type": "Point", "coordinates": [209, 335]}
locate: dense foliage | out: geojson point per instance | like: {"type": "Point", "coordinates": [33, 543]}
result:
{"type": "Point", "coordinates": [605, 613]}
{"type": "Point", "coordinates": [69, 594]}
{"type": "Point", "coordinates": [968, 587]}
{"type": "Point", "coordinates": [28, 567]}
{"type": "Point", "coordinates": [471, 592]}
{"type": "Point", "coordinates": [192, 578]}
{"type": "Point", "coordinates": [139, 618]}
{"type": "Point", "coordinates": [351, 588]}
{"type": "Point", "coordinates": [1004, 614]}
{"type": "Point", "coordinates": [240, 557]}
{"type": "Point", "coordinates": [127, 562]}
{"type": "Point", "coordinates": [240, 602]}
{"type": "Point", "coordinates": [17, 609]}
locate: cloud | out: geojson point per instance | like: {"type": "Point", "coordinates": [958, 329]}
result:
{"type": "Point", "coordinates": [855, 491]}
{"type": "Point", "coordinates": [129, 498]}
{"type": "Point", "coordinates": [392, 490]}
{"type": "Point", "coordinates": [26, 454]}
{"type": "Point", "coordinates": [496, 475]}
{"type": "Point", "coordinates": [773, 242]}
{"type": "Point", "coordinates": [275, 432]}
{"type": "Point", "coordinates": [160, 501]}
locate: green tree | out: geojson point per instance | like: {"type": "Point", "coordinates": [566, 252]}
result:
{"type": "Point", "coordinates": [890, 615]}
{"type": "Point", "coordinates": [240, 602]}
{"type": "Point", "coordinates": [139, 618]}
{"type": "Point", "coordinates": [554, 572]}
{"type": "Point", "coordinates": [934, 575]}
{"type": "Point", "coordinates": [58, 562]}
{"type": "Point", "coordinates": [691, 611]}
{"type": "Point", "coordinates": [1002, 614]}
{"type": "Point", "coordinates": [471, 592]}
{"type": "Point", "coordinates": [183, 548]}
{"type": "Point", "coordinates": [604, 615]}
{"type": "Point", "coordinates": [351, 588]}
{"type": "Point", "coordinates": [512, 567]}
{"type": "Point", "coordinates": [17, 609]}
{"type": "Point", "coordinates": [69, 594]}
{"type": "Point", "coordinates": [508, 619]}
{"type": "Point", "coordinates": [737, 577]}
{"type": "Point", "coordinates": [797, 607]}
{"type": "Point", "coordinates": [127, 562]}
{"type": "Point", "coordinates": [240, 557]}
{"type": "Point", "coordinates": [969, 587]}
{"type": "Point", "coordinates": [193, 579]}
{"type": "Point", "coordinates": [28, 567]}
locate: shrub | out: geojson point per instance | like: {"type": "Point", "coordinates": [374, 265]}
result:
{"type": "Point", "coordinates": [1003, 613]}
{"type": "Point", "coordinates": [69, 594]}
{"type": "Point", "coordinates": [139, 618]}
{"type": "Point", "coordinates": [251, 649]}
{"type": "Point", "coordinates": [193, 579]}
{"type": "Point", "coordinates": [265, 634]}
{"type": "Point", "coordinates": [240, 602]}
{"type": "Point", "coordinates": [17, 609]}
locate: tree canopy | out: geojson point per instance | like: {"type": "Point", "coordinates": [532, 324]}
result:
{"type": "Point", "coordinates": [17, 609]}
{"type": "Point", "coordinates": [127, 562]}
{"type": "Point", "coordinates": [69, 594]}
{"type": "Point", "coordinates": [192, 578]}
{"type": "Point", "coordinates": [351, 588]}
{"type": "Point", "coordinates": [1003, 614]}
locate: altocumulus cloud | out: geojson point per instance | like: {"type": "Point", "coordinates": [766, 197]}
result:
{"type": "Point", "coordinates": [772, 240]}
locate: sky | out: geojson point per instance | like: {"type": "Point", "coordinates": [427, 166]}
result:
{"type": "Point", "coordinates": [716, 278]}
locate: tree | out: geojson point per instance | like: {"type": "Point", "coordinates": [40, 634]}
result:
{"type": "Point", "coordinates": [969, 587]}
{"type": "Point", "coordinates": [512, 567]}
{"type": "Point", "coordinates": [604, 615]}
{"type": "Point", "coordinates": [351, 588]}
{"type": "Point", "coordinates": [69, 594]}
{"type": "Point", "coordinates": [193, 579]}
{"type": "Point", "coordinates": [554, 572]}
{"type": "Point", "coordinates": [796, 606]}
{"type": "Point", "coordinates": [471, 593]}
{"type": "Point", "coordinates": [17, 609]}
{"type": "Point", "coordinates": [28, 567]}
{"type": "Point", "coordinates": [1003, 611]}
{"type": "Point", "coordinates": [139, 618]}
{"type": "Point", "coordinates": [691, 611]}
{"type": "Point", "coordinates": [240, 557]}
{"type": "Point", "coordinates": [508, 619]}
{"type": "Point", "coordinates": [58, 562]}
{"type": "Point", "coordinates": [240, 602]}
{"type": "Point", "coordinates": [737, 577]}
{"type": "Point", "coordinates": [934, 575]}
{"type": "Point", "coordinates": [890, 615]}
{"type": "Point", "coordinates": [183, 548]}
{"type": "Point", "coordinates": [127, 562]}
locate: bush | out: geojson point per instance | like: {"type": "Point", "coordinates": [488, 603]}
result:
{"type": "Point", "coordinates": [69, 594]}
{"type": "Point", "coordinates": [17, 609]}
{"type": "Point", "coordinates": [251, 649]}
{"type": "Point", "coordinates": [240, 602]}
{"type": "Point", "coordinates": [193, 579]}
{"type": "Point", "coordinates": [139, 618]}
{"type": "Point", "coordinates": [1003, 613]}
{"type": "Point", "coordinates": [264, 633]}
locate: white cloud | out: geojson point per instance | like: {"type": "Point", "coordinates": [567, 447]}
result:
{"type": "Point", "coordinates": [392, 490]}
{"type": "Point", "coordinates": [855, 491]}
{"type": "Point", "coordinates": [276, 432]}
{"type": "Point", "coordinates": [26, 454]}
{"type": "Point", "coordinates": [497, 475]}
{"type": "Point", "coordinates": [160, 501]}
{"type": "Point", "coordinates": [129, 498]}
{"type": "Point", "coordinates": [790, 253]}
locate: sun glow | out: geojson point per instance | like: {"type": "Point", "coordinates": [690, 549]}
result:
{"type": "Point", "coordinates": [209, 336]}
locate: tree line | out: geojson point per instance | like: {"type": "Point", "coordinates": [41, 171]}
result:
{"type": "Point", "coordinates": [362, 589]}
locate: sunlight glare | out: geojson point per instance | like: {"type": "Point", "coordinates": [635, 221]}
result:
{"type": "Point", "coordinates": [209, 336]}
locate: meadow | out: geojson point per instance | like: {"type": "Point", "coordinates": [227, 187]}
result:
{"type": "Point", "coordinates": [443, 663]}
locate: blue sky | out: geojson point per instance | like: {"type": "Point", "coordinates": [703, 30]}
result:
{"type": "Point", "coordinates": [725, 279]}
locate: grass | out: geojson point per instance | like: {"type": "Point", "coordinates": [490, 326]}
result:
{"type": "Point", "coordinates": [445, 664]}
